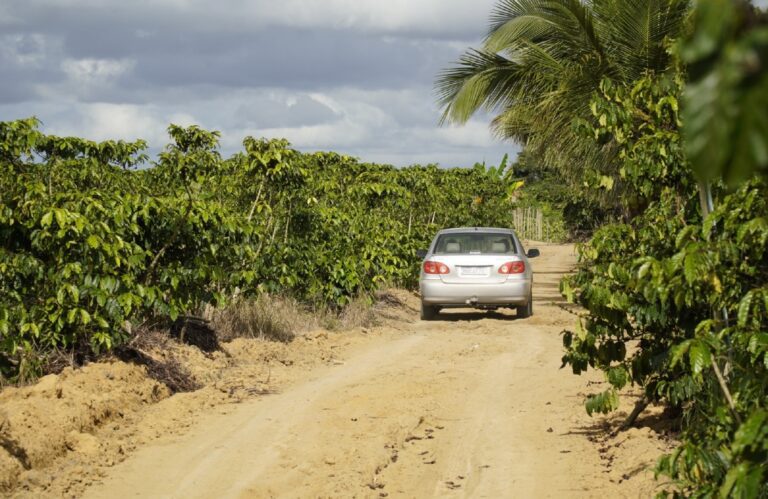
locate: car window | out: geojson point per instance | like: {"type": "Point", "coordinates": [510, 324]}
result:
{"type": "Point", "coordinates": [474, 243]}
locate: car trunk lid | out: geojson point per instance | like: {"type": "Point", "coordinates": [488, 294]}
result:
{"type": "Point", "coordinates": [474, 269]}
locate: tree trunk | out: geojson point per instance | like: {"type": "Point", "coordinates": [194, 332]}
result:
{"type": "Point", "coordinates": [639, 408]}
{"type": "Point", "coordinates": [721, 316]}
{"type": "Point", "coordinates": [256, 201]}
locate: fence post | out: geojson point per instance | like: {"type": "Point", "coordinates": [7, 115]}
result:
{"type": "Point", "coordinates": [539, 223]}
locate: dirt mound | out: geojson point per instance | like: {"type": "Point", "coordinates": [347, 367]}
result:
{"type": "Point", "coordinates": [40, 423]}
{"type": "Point", "coordinates": [61, 434]}
{"type": "Point", "coordinates": [396, 306]}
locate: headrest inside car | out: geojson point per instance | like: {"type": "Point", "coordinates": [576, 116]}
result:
{"type": "Point", "coordinates": [499, 247]}
{"type": "Point", "coordinates": [452, 247]}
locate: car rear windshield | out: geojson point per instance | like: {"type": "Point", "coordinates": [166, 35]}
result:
{"type": "Point", "coordinates": [475, 243]}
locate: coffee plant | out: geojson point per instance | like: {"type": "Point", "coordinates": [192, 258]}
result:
{"type": "Point", "coordinates": [676, 300]}
{"type": "Point", "coordinates": [95, 238]}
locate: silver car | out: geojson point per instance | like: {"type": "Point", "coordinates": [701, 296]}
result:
{"type": "Point", "coordinates": [476, 267]}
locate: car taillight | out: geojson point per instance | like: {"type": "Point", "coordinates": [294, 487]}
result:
{"type": "Point", "coordinates": [512, 268]}
{"type": "Point", "coordinates": [436, 268]}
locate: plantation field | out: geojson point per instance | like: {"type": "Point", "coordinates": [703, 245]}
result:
{"type": "Point", "coordinates": [472, 405]}
{"type": "Point", "coordinates": [194, 323]}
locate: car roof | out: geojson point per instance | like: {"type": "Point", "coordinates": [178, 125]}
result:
{"type": "Point", "coordinates": [493, 230]}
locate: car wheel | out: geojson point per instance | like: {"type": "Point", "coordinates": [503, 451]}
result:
{"type": "Point", "coordinates": [526, 310]}
{"type": "Point", "coordinates": [428, 312]}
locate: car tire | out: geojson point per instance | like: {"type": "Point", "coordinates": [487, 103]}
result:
{"type": "Point", "coordinates": [526, 310]}
{"type": "Point", "coordinates": [428, 312]}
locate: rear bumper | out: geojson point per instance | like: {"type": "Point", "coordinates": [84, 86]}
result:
{"type": "Point", "coordinates": [513, 292]}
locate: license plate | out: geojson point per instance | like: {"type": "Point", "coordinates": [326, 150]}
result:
{"type": "Point", "coordinates": [474, 271]}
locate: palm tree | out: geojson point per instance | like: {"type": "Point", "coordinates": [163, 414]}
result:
{"type": "Point", "coordinates": [543, 59]}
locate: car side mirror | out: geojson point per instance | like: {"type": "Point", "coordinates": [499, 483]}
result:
{"type": "Point", "coordinates": [533, 253]}
{"type": "Point", "coordinates": [421, 253]}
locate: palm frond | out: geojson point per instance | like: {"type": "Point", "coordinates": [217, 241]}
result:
{"type": "Point", "coordinates": [478, 80]}
{"type": "Point", "coordinates": [543, 60]}
{"type": "Point", "coordinates": [517, 29]}
{"type": "Point", "coordinates": [567, 21]}
{"type": "Point", "coordinates": [636, 32]}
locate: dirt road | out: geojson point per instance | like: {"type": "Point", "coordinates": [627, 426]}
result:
{"type": "Point", "coordinates": [472, 405]}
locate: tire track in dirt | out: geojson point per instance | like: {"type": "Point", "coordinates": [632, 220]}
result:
{"type": "Point", "coordinates": [224, 452]}
{"type": "Point", "coordinates": [472, 405]}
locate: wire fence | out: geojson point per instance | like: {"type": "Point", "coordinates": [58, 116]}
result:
{"type": "Point", "coordinates": [529, 223]}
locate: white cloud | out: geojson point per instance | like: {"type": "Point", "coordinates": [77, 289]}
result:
{"type": "Point", "coordinates": [391, 126]}
{"type": "Point", "coordinates": [96, 71]}
{"type": "Point", "coordinates": [354, 123]}
{"type": "Point", "coordinates": [87, 80]}
{"type": "Point", "coordinates": [327, 102]}
{"type": "Point", "coordinates": [102, 121]}
{"type": "Point", "coordinates": [343, 133]}
{"type": "Point", "coordinates": [105, 121]}
{"type": "Point", "coordinates": [473, 134]}
{"type": "Point", "coordinates": [372, 125]}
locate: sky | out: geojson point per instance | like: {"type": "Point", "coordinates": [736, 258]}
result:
{"type": "Point", "coordinates": [351, 76]}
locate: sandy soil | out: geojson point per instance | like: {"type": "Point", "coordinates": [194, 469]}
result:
{"type": "Point", "coordinates": [472, 405]}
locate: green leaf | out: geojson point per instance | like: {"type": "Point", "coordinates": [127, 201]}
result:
{"type": "Point", "coordinates": [61, 217]}
{"type": "Point", "coordinates": [47, 219]}
{"type": "Point", "coordinates": [606, 182]}
{"type": "Point", "coordinates": [695, 266]}
{"type": "Point", "coordinates": [618, 377]}
{"type": "Point", "coordinates": [700, 357]}
{"type": "Point", "coordinates": [752, 433]}
{"type": "Point", "coordinates": [602, 403]}
{"type": "Point", "coordinates": [73, 292]}
{"type": "Point", "coordinates": [678, 352]}
{"type": "Point", "coordinates": [93, 241]}
{"type": "Point", "coordinates": [744, 306]}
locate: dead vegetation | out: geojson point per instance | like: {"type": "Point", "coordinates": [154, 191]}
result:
{"type": "Point", "coordinates": [360, 312]}
{"type": "Point", "coordinates": [280, 318]}
{"type": "Point", "coordinates": [144, 350]}
{"type": "Point", "coordinates": [267, 317]}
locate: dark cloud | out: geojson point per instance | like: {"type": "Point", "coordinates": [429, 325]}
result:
{"type": "Point", "coordinates": [177, 47]}
{"type": "Point", "coordinates": [20, 88]}
{"type": "Point", "coordinates": [361, 85]}
{"type": "Point", "coordinates": [297, 59]}
{"type": "Point", "coordinates": [25, 62]}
